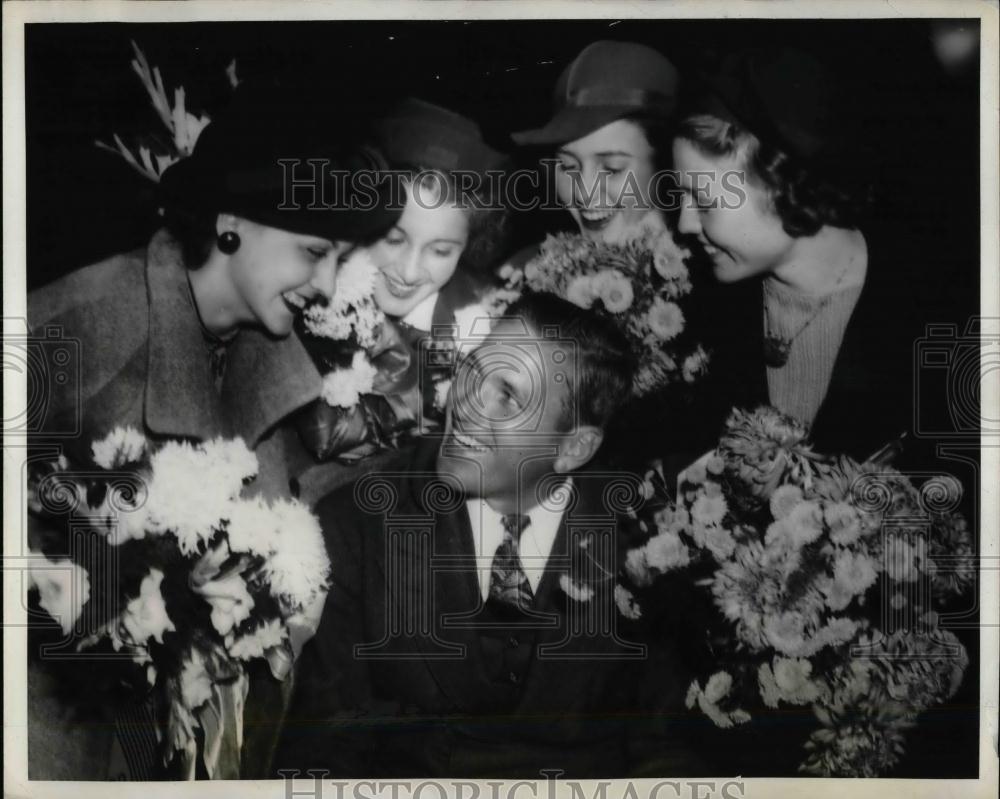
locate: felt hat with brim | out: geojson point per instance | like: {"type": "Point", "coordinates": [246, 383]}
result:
{"type": "Point", "coordinates": [788, 99]}
{"type": "Point", "coordinates": [282, 167]}
{"type": "Point", "coordinates": [418, 134]}
{"type": "Point", "coordinates": [607, 81]}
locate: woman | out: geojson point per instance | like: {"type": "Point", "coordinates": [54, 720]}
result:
{"type": "Point", "coordinates": [610, 132]}
{"type": "Point", "coordinates": [189, 339]}
{"type": "Point", "coordinates": [611, 110]}
{"type": "Point", "coordinates": [770, 203]}
{"type": "Point", "coordinates": [435, 259]}
{"type": "Point", "coordinates": [433, 262]}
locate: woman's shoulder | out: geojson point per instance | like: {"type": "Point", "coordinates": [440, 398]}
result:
{"type": "Point", "coordinates": [112, 289]}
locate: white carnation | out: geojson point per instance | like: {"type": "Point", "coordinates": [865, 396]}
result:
{"type": "Point", "coordinates": [121, 446]}
{"type": "Point", "coordinates": [63, 588]}
{"type": "Point", "coordinates": [343, 387]}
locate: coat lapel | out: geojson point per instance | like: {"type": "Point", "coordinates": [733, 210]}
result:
{"type": "Point", "coordinates": [266, 378]}
{"type": "Point", "coordinates": [180, 397]}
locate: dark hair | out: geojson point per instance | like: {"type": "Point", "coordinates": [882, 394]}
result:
{"type": "Point", "coordinates": [804, 200]}
{"type": "Point", "coordinates": [602, 380]}
{"type": "Point", "coordinates": [195, 233]}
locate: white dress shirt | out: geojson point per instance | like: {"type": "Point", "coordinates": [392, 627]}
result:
{"type": "Point", "coordinates": [535, 544]}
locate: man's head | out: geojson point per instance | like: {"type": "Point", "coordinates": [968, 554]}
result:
{"type": "Point", "coordinates": [533, 399]}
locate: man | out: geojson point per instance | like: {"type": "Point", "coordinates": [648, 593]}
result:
{"type": "Point", "coordinates": [471, 628]}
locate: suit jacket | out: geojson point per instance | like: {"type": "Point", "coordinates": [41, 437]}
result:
{"type": "Point", "coordinates": [138, 358]}
{"type": "Point", "coordinates": [404, 677]}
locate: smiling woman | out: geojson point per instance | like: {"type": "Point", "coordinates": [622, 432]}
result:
{"type": "Point", "coordinates": [188, 338]}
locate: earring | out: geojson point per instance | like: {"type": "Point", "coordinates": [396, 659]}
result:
{"type": "Point", "coordinates": [228, 242]}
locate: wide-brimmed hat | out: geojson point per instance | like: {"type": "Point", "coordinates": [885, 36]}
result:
{"type": "Point", "coordinates": [419, 134]}
{"type": "Point", "coordinates": [605, 82]}
{"type": "Point", "coordinates": [283, 167]}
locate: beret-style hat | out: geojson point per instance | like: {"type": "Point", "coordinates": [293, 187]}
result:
{"type": "Point", "coordinates": [605, 82]}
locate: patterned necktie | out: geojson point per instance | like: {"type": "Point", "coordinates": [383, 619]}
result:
{"type": "Point", "coordinates": [508, 582]}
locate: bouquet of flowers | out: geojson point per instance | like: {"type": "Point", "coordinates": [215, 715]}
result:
{"type": "Point", "coordinates": [827, 576]}
{"type": "Point", "coordinates": [370, 400]}
{"type": "Point", "coordinates": [177, 579]}
{"type": "Point", "coordinates": [182, 128]}
{"type": "Point", "coordinates": [640, 284]}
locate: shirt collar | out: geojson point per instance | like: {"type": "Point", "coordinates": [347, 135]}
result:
{"type": "Point", "coordinates": [422, 315]}
{"type": "Point", "coordinates": [536, 541]}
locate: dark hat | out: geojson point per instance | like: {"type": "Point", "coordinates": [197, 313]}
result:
{"type": "Point", "coordinates": [419, 134]}
{"type": "Point", "coordinates": [607, 81]}
{"type": "Point", "coordinates": [786, 98]}
{"type": "Point", "coordinates": [254, 161]}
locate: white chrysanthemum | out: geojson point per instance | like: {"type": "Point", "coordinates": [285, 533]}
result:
{"type": "Point", "coordinates": [855, 571]}
{"type": "Point", "coordinates": [709, 510]}
{"type": "Point", "coordinates": [121, 446]}
{"type": "Point", "coordinates": [695, 365]}
{"type": "Point", "coordinates": [230, 601]}
{"type": "Point", "coordinates": [784, 500]}
{"type": "Point", "coordinates": [666, 551]}
{"type": "Point", "coordinates": [785, 632]}
{"type": "Point", "coordinates": [718, 687]}
{"type": "Point", "coordinates": [805, 521]}
{"type": "Point", "coordinates": [145, 616]}
{"type": "Point", "coordinates": [581, 292]}
{"type": "Point", "coordinates": [626, 603]}
{"type": "Point", "coordinates": [614, 289]}
{"type": "Point", "coordinates": [253, 645]}
{"type": "Point", "coordinates": [326, 321]}
{"type": "Point", "coordinates": [187, 497]}
{"type": "Point", "coordinates": [793, 678]}
{"type": "Point", "coordinates": [343, 387]}
{"type": "Point", "coordinates": [63, 588]}
{"type": "Point", "coordinates": [575, 590]}
{"type": "Point", "coordinates": [843, 521]}
{"type": "Point", "coordinates": [300, 566]}
{"type": "Point", "coordinates": [903, 559]}
{"type": "Point", "coordinates": [195, 681]}
{"type": "Point", "coordinates": [356, 278]}
{"type": "Point", "coordinates": [252, 527]}
{"type": "Point", "coordinates": [665, 319]}
{"type": "Point", "coordinates": [230, 462]}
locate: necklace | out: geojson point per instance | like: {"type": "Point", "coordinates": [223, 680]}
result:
{"type": "Point", "coordinates": [776, 347]}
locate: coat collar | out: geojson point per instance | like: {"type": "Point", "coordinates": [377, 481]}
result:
{"type": "Point", "coordinates": [266, 378]}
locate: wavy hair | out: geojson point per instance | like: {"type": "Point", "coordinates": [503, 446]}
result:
{"type": "Point", "coordinates": [803, 199]}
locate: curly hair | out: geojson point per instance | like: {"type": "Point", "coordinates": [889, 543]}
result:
{"type": "Point", "coordinates": [803, 199]}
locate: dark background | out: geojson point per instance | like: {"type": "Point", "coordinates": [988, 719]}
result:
{"type": "Point", "coordinates": [921, 126]}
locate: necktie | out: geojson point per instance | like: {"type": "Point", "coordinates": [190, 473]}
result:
{"type": "Point", "coordinates": [508, 582]}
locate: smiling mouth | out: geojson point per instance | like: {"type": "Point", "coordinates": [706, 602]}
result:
{"type": "Point", "coordinates": [596, 220]}
{"type": "Point", "coordinates": [468, 442]}
{"type": "Point", "coordinates": [399, 289]}
{"type": "Point", "coordinates": [294, 301]}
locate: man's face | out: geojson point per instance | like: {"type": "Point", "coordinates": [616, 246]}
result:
{"type": "Point", "coordinates": [509, 417]}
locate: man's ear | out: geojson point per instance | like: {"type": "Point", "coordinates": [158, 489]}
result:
{"type": "Point", "coordinates": [578, 447]}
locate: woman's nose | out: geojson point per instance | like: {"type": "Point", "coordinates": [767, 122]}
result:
{"type": "Point", "coordinates": [410, 266]}
{"type": "Point", "coordinates": [324, 278]}
{"type": "Point", "coordinates": [689, 222]}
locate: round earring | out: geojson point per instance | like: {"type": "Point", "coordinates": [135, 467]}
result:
{"type": "Point", "coordinates": [228, 242]}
